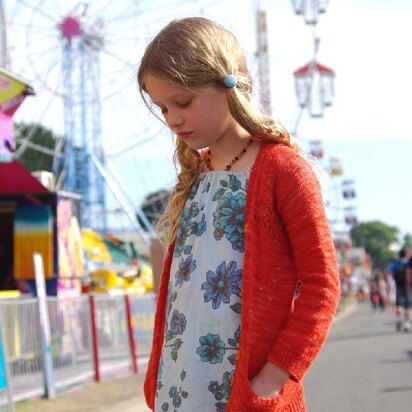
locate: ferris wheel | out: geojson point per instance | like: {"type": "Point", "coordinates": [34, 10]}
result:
{"type": "Point", "coordinates": [81, 58]}
{"type": "Point", "coordinates": [339, 191]}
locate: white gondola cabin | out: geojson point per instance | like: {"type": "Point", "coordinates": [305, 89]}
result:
{"type": "Point", "coordinates": [348, 189]}
{"type": "Point", "coordinates": [351, 218]}
{"type": "Point", "coordinates": [310, 9]}
{"type": "Point", "coordinates": [316, 149]}
{"type": "Point", "coordinates": [336, 166]}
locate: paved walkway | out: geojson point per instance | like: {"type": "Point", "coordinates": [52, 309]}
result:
{"type": "Point", "coordinates": [365, 366]}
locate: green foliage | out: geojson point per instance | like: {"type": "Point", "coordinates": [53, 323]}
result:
{"type": "Point", "coordinates": [407, 241]}
{"type": "Point", "coordinates": [31, 158]}
{"type": "Point", "coordinates": [378, 239]}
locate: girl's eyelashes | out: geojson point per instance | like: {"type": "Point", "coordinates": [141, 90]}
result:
{"type": "Point", "coordinates": [160, 109]}
{"type": "Point", "coordinates": [180, 104]}
{"type": "Point", "coordinates": [185, 103]}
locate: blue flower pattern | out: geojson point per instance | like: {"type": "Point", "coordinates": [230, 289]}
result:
{"type": "Point", "coordinates": [186, 267]}
{"type": "Point", "coordinates": [220, 290]}
{"type": "Point", "coordinates": [222, 283]}
{"type": "Point", "coordinates": [221, 391]}
{"type": "Point", "coordinates": [189, 226]}
{"type": "Point", "coordinates": [229, 217]}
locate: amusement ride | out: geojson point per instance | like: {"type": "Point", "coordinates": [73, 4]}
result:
{"type": "Point", "coordinates": [314, 84]}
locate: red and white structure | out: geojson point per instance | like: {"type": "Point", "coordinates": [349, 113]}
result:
{"type": "Point", "coordinates": [263, 61]}
{"type": "Point", "coordinates": [314, 87]}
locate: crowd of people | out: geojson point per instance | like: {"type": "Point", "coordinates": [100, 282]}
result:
{"type": "Point", "coordinates": [394, 289]}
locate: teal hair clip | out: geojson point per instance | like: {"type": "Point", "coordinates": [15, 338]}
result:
{"type": "Point", "coordinates": [230, 81]}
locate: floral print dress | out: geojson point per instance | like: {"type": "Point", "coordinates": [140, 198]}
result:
{"type": "Point", "coordinates": [202, 330]}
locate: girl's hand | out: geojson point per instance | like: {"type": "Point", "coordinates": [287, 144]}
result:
{"type": "Point", "coordinates": [269, 381]}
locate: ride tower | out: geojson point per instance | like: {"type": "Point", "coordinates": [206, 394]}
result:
{"type": "Point", "coordinates": [263, 61]}
{"type": "Point", "coordinates": [76, 172]}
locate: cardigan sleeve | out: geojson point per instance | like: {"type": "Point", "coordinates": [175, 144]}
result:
{"type": "Point", "coordinates": [300, 205]}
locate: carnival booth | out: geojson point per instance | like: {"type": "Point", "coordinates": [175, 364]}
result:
{"type": "Point", "coordinates": [36, 220]}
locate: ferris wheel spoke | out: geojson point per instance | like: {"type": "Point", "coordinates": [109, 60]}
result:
{"type": "Point", "coordinates": [36, 56]}
{"type": "Point", "coordinates": [164, 7]}
{"type": "Point", "coordinates": [99, 10]}
{"type": "Point", "coordinates": [116, 57]}
{"type": "Point", "coordinates": [46, 78]}
{"type": "Point", "coordinates": [28, 70]}
{"type": "Point", "coordinates": [123, 15]}
{"type": "Point", "coordinates": [41, 54]}
{"type": "Point", "coordinates": [37, 10]}
{"type": "Point", "coordinates": [61, 8]}
{"type": "Point", "coordinates": [122, 18]}
{"type": "Point", "coordinates": [31, 133]}
{"type": "Point", "coordinates": [117, 37]}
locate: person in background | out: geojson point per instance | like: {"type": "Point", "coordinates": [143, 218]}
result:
{"type": "Point", "coordinates": [374, 293]}
{"type": "Point", "coordinates": [400, 270]}
{"type": "Point", "coordinates": [379, 291]}
{"type": "Point", "coordinates": [390, 282]}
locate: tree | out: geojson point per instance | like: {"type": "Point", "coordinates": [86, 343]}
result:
{"type": "Point", "coordinates": [378, 239]}
{"type": "Point", "coordinates": [407, 241]}
{"type": "Point", "coordinates": [31, 158]}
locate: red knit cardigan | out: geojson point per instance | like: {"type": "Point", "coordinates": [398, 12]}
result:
{"type": "Point", "coordinates": [287, 240]}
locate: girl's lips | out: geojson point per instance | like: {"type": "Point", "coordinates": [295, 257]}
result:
{"type": "Point", "coordinates": [184, 135]}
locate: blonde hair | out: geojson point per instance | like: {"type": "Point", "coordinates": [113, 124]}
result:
{"type": "Point", "coordinates": [195, 52]}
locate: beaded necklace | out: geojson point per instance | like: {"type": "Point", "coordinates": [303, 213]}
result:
{"type": "Point", "coordinates": [232, 162]}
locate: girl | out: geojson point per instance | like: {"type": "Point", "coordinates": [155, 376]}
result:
{"type": "Point", "coordinates": [250, 283]}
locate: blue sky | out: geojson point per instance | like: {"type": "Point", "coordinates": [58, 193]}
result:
{"type": "Point", "coordinates": [364, 41]}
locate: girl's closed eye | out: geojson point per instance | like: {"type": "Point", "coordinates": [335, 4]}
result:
{"type": "Point", "coordinates": [185, 103]}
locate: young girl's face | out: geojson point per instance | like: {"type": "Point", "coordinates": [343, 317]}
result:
{"type": "Point", "coordinates": [200, 117]}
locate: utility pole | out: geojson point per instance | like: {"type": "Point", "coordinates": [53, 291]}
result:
{"type": "Point", "coordinates": [263, 60]}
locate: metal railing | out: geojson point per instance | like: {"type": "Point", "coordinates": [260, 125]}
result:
{"type": "Point", "coordinates": [71, 341]}
{"type": "Point", "coordinates": [114, 349]}
{"type": "Point", "coordinates": [23, 351]}
{"type": "Point", "coordinates": [93, 337]}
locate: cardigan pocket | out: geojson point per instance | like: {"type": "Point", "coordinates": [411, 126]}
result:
{"type": "Point", "coordinates": [289, 399]}
{"type": "Point", "coordinates": [258, 403]}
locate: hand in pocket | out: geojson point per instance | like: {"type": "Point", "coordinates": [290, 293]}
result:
{"type": "Point", "coordinates": [269, 381]}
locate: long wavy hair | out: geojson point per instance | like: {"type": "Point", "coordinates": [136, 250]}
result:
{"type": "Point", "coordinates": [195, 52]}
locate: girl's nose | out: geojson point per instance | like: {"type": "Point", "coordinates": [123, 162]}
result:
{"type": "Point", "coordinates": [174, 119]}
